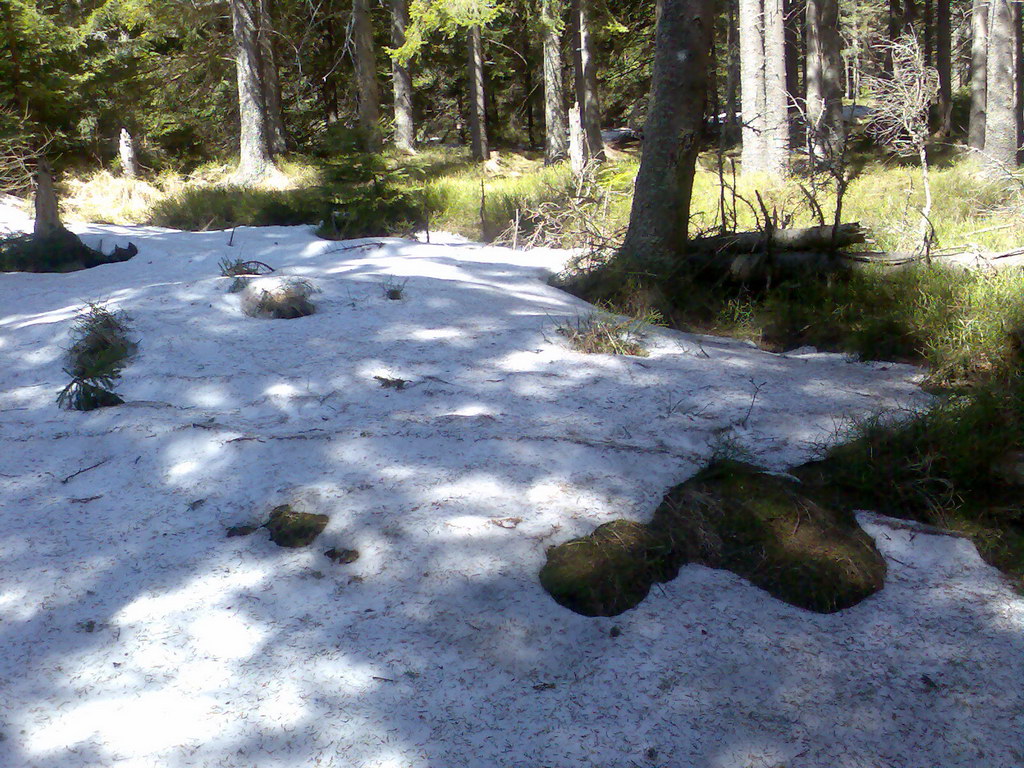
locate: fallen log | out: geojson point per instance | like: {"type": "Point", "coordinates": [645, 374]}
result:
{"type": "Point", "coordinates": [806, 239]}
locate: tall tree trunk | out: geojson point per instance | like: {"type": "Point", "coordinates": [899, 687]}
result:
{"type": "Point", "coordinates": [763, 86]}
{"type": "Point", "coordinates": [979, 73]}
{"type": "Point", "coordinates": [926, 32]}
{"type": "Point", "coordinates": [1018, 69]}
{"type": "Point", "coordinates": [401, 80]}
{"type": "Point", "coordinates": [126, 151]}
{"type": "Point", "coordinates": [661, 199]}
{"type": "Point", "coordinates": [270, 82]}
{"type": "Point", "coordinates": [366, 77]}
{"type": "Point", "coordinates": [254, 163]}
{"type": "Point", "coordinates": [586, 82]}
{"type": "Point", "coordinates": [556, 139]}
{"type": "Point", "coordinates": [1000, 111]}
{"type": "Point", "coordinates": [794, 12]}
{"type": "Point", "coordinates": [732, 74]}
{"type": "Point", "coordinates": [944, 65]}
{"type": "Point", "coordinates": [477, 116]}
{"type": "Point", "coordinates": [776, 98]}
{"type": "Point", "coordinates": [752, 76]}
{"type": "Point", "coordinates": [895, 22]}
{"type": "Point", "coordinates": [47, 220]}
{"type": "Point", "coordinates": [824, 78]}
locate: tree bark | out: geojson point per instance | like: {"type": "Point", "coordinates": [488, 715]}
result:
{"type": "Point", "coordinates": [366, 77]}
{"type": "Point", "coordinates": [47, 216]}
{"type": "Point", "coordinates": [776, 98]}
{"type": "Point", "coordinates": [824, 79]}
{"type": "Point", "coordinates": [477, 116]}
{"type": "Point", "coordinates": [944, 65]}
{"type": "Point", "coordinates": [751, 24]}
{"type": "Point", "coordinates": [270, 82]}
{"type": "Point", "coordinates": [556, 139]}
{"type": "Point", "coordinates": [794, 14]}
{"type": "Point", "coordinates": [763, 87]}
{"type": "Point", "coordinates": [732, 72]}
{"type": "Point", "coordinates": [1000, 111]}
{"type": "Point", "coordinates": [126, 151]}
{"type": "Point", "coordinates": [979, 73]}
{"type": "Point", "coordinates": [586, 82]}
{"type": "Point", "coordinates": [254, 163]}
{"type": "Point", "coordinates": [401, 79]}
{"type": "Point", "coordinates": [661, 199]}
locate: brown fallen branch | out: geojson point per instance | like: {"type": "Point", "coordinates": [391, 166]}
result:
{"type": "Point", "coordinates": [807, 239]}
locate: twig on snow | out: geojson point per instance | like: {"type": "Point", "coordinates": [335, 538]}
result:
{"type": "Point", "coordinates": [83, 471]}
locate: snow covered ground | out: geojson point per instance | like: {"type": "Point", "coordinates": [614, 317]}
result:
{"type": "Point", "coordinates": [134, 633]}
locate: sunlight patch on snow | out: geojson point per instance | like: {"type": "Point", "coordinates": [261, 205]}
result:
{"type": "Point", "coordinates": [139, 724]}
{"type": "Point", "coordinates": [282, 391]}
{"type": "Point", "coordinates": [16, 322]}
{"type": "Point", "coordinates": [43, 355]}
{"type": "Point", "coordinates": [206, 590]}
{"type": "Point", "coordinates": [438, 334]}
{"type": "Point", "coordinates": [208, 396]}
{"type": "Point", "coordinates": [475, 485]}
{"type": "Point", "coordinates": [16, 605]}
{"type": "Point", "coordinates": [225, 636]}
{"type": "Point", "coordinates": [190, 455]}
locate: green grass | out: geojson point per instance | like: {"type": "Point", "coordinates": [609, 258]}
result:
{"type": "Point", "coordinates": [886, 196]}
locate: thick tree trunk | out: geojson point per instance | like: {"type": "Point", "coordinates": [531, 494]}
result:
{"type": "Point", "coordinates": [1000, 111]}
{"type": "Point", "coordinates": [126, 151]}
{"type": "Point", "coordinates": [661, 199]}
{"type": "Point", "coordinates": [271, 84]}
{"type": "Point", "coordinates": [366, 77]}
{"type": "Point", "coordinates": [944, 65]}
{"type": "Point", "coordinates": [254, 163]}
{"type": "Point", "coordinates": [477, 117]}
{"type": "Point", "coordinates": [556, 139]}
{"type": "Point", "coordinates": [824, 79]}
{"type": "Point", "coordinates": [586, 82]}
{"type": "Point", "coordinates": [979, 73]}
{"type": "Point", "coordinates": [401, 79]}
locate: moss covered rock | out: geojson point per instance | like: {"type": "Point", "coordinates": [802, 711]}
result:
{"type": "Point", "coordinates": [289, 528]}
{"type": "Point", "coordinates": [609, 571]}
{"type": "Point", "coordinates": [731, 516]}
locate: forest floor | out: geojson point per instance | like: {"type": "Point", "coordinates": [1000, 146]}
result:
{"type": "Point", "coordinates": [137, 633]}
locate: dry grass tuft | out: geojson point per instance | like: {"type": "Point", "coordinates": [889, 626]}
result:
{"type": "Point", "coordinates": [281, 298]}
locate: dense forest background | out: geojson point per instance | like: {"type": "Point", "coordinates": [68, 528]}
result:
{"type": "Point", "coordinates": [76, 73]}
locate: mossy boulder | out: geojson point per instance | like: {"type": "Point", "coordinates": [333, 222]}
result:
{"type": "Point", "coordinates": [289, 528]}
{"type": "Point", "coordinates": [731, 516]}
{"type": "Point", "coordinates": [609, 571]}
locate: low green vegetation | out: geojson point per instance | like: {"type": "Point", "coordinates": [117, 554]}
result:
{"type": "Point", "coordinates": [730, 516]}
{"type": "Point", "coordinates": [605, 333]}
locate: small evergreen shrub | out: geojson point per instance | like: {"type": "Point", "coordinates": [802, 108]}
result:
{"type": "Point", "coordinates": [99, 351]}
